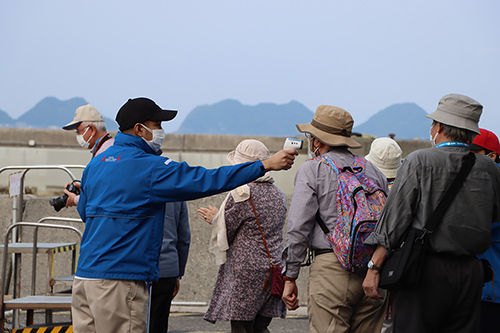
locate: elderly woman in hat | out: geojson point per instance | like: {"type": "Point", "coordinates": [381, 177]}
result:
{"type": "Point", "coordinates": [238, 244]}
{"type": "Point", "coordinates": [385, 154]}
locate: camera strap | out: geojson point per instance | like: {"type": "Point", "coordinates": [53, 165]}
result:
{"type": "Point", "coordinates": [99, 143]}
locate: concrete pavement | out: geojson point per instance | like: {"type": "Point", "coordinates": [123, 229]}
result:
{"type": "Point", "coordinates": [192, 322]}
{"type": "Point", "coordinates": [189, 319]}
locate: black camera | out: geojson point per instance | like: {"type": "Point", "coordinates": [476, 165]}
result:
{"type": "Point", "coordinates": [60, 202]}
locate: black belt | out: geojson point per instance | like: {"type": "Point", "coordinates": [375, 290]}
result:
{"type": "Point", "coordinates": [317, 252]}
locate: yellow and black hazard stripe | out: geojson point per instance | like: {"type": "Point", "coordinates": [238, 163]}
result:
{"type": "Point", "coordinates": [51, 329]}
{"type": "Point", "coordinates": [64, 248]}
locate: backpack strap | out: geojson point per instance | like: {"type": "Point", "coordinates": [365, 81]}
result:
{"type": "Point", "coordinates": [328, 161]}
{"type": "Point", "coordinates": [359, 164]}
{"type": "Point", "coordinates": [322, 224]}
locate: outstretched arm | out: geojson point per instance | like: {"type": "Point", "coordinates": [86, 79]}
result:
{"type": "Point", "coordinates": [282, 160]}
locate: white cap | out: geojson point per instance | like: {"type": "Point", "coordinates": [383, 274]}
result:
{"type": "Point", "coordinates": [385, 154]}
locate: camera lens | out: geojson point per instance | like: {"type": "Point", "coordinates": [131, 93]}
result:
{"type": "Point", "coordinates": [59, 202]}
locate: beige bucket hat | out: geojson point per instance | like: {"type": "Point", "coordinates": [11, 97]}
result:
{"type": "Point", "coordinates": [332, 126]}
{"type": "Point", "coordinates": [458, 111]}
{"type": "Point", "coordinates": [248, 151]}
{"type": "Point", "coordinates": [385, 154]}
{"type": "Point", "coordinates": [84, 113]}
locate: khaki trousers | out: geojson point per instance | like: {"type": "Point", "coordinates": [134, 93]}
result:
{"type": "Point", "coordinates": [104, 306]}
{"type": "Point", "coordinates": [337, 302]}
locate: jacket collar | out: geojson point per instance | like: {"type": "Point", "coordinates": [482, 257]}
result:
{"type": "Point", "coordinates": [130, 140]}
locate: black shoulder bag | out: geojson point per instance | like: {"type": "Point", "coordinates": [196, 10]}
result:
{"type": "Point", "coordinates": [402, 268]}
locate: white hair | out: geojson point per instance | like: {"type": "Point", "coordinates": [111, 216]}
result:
{"type": "Point", "coordinates": [100, 126]}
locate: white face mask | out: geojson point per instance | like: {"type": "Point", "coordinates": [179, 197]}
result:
{"type": "Point", "coordinates": [81, 141]}
{"type": "Point", "coordinates": [433, 139]}
{"type": "Point", "coordinates": [312, 154]}
{"type": "Point", "coordinates": [158, 138]}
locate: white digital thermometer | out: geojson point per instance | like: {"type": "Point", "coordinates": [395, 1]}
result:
{"type": "Point", "coordinates": [292, 144]}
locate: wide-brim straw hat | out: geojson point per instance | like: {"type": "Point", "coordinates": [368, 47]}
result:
{"type": "Point", "coordinates": [332, 126]}
{"type": "Point", "coordinates": [248, 151]}
{"type": "Point", "coordinates": [385, 154]}
{"type": "Point", "coordinates": [458, 111]}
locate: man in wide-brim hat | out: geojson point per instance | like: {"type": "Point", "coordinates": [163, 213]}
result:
{"type": "Point", "coordinates": [336, 302]}
{"type": "Point", "coordinates": [448, 295]}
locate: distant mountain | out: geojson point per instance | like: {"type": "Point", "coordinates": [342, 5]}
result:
{"type": "Point", "coordinates": [5, 119]}
{"type": "Point", "coordinates": [50, 113]}
{"type": "Point", "coordinates": [230, 117]}
{"type": "Point", "coordinates": [405, 120]}
{"type": "Point", "coordinates": [53, 113]}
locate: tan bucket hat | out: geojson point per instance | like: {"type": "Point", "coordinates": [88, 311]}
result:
{"type": "Point", "coordinates": [248, 151]}
{"type": "Point", "coordinates": [458, 111]}
{"type": "Point", "coordinates": [385, 154]}
{"type": "Point", "coordinates": [332, 126]}
{"type": "Point", "coordinates": [84, 113]}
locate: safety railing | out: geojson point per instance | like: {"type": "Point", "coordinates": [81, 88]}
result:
{"type": "Point", "coordinates": [35, 243]}
{"type": "Point", "coordinates": [17, 210]}
{"type": "Point", "coordinates": [32, 301]}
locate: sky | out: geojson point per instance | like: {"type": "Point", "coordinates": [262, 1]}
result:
{"type": "Point", "coordinates": [360, 55]}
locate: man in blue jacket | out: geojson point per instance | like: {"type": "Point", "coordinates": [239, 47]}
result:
{"type": "Point", "coordinates": [122, 202]}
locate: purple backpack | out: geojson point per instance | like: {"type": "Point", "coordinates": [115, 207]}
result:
{"type": "Point", "coordinates": [359, 205]}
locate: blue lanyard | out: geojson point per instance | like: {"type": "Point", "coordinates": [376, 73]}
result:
{"type": "Point", "coordinates": [453, 144]}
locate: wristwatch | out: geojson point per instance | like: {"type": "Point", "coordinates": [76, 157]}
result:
{"type": "Point", "coordinates": [371, 265]}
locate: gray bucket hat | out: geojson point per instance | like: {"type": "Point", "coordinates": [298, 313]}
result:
{"type": "Point", "coordinates": [458, 111]}
{"type": "Point", "coordinates": [332, 126]}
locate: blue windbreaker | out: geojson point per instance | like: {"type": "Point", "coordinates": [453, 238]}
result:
{"type": "Point", "coordinates": [493, 256]}
{"type": "Point", "coordinates": [176, 240]}
{"type": "Point", "coordinates": [122, 202]}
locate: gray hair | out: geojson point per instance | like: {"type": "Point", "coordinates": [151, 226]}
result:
{"type": "Point", "coordinates": [458, 133]}
{"type": "Point", "coordinates": [100, 126]}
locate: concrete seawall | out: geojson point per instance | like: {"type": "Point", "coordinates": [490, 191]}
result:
{"type": "Point", "coordinates": [32, 147]}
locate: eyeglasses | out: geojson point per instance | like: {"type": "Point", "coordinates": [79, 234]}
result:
{"type": "Point", "coordinates": [78, 131]}
{"type": "Point", "coordinates": [308, 136]}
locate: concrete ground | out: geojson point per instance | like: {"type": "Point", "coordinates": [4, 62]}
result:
{"type": "Point", "coordinates": [189, 319]}
{"type": "Point", "coordinates": [192, 322]}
